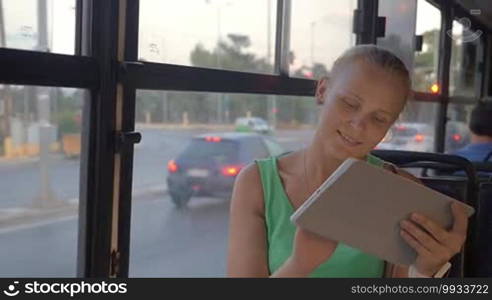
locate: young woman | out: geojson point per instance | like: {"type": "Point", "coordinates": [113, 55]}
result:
{"type": "Point", "coordinates": [366, 92]}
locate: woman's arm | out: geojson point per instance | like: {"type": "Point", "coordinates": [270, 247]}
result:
{"type": "Point", "coordinates": [247, 255]}
{"type": "Point", "coordinates": [248, 239]}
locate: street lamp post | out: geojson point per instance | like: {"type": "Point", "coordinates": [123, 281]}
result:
{"type": "Point", "coordinates": [220, 97]}
{"type": "Point", "coordinates": [47, 196]}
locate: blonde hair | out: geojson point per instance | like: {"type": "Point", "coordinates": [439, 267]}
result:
{"type": "Point", "coordinates": [378, 56]}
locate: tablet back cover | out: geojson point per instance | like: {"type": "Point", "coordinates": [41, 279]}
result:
{"type": "Point", "coordinates": [362, 205]}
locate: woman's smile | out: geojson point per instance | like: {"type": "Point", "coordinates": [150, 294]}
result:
{"type": "Point", "coordinates": [348, 140]}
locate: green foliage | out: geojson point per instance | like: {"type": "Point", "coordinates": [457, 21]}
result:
{"type": "Point", "coordinates": [68, 122]}
{"type": "Point", "coordinates": [230, 54]}
{"type": "Point", "coordinates": [425, 64]}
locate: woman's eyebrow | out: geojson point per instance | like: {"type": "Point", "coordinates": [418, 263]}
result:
{"type": "Point", "coordinates": [385, 112]}
{"type": "Point", "coordinates": [352, 94]}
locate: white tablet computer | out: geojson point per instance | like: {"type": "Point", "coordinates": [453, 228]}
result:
{"type": "Point", "coordinates": [362, 205]}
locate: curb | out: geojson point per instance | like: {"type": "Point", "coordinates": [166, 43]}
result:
{"type": "Point", "coordinates": [20, 217]}
{"type": "Point", "coordinates": [16, 217]}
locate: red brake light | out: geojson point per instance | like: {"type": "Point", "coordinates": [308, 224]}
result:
{"type": "Point", "coordinates": [214, 139]}
{"type": "Point", "coordinates": [231, 170]}
{"type": "Point", "coordinates": [172, 166]}
{"type": "Point", "coordinates": [419, 138]}
{"type": "Point", "coordinates": [457, 137]}
{"type": "Point", "coordinates": [401, 127]}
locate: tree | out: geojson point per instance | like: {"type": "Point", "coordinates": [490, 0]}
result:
{"type": "Point", "coordinates": [231, 54]}
{"type": "Point", "coordinates": [425, 64]}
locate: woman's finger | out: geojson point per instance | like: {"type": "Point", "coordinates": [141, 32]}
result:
{"type": "Point", "coordinates": [412, 242]}
{"type": "Point", "coordinates": [460, 219]}
{"type": "Point", "coordinates": [438, 232]}
{"type": "Point", "coordinates": [422, 237]}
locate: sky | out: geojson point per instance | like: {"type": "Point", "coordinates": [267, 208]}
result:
{"type": "Point", "coordinates": [170, 29]}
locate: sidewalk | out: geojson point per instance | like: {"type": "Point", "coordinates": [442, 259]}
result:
{"type": "Point", "coordinates": [20, 216]}
{"type": "Point", "coordinates": [28, 159]}
{"type": "Point", "coordinates": [16, 217]}
{"type": "Point", "coordinates": [4, 160]}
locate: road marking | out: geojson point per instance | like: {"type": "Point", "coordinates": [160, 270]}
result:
{"type": "Point", "coordinates": [38, 224]}
{"type": "Point", "coordinates": [141, 192]}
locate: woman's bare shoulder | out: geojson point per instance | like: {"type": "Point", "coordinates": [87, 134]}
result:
{"type": "Point", "coordinates": [248, 190]}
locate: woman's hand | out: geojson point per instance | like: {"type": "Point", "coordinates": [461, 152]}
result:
{"type": "Point", "coordinates": [310, 250]}
{"type": "Point", "coordinates": [435, 245]}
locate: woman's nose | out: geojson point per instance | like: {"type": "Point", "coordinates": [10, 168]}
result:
{"type": "Point", "coordinates": [358, 122]}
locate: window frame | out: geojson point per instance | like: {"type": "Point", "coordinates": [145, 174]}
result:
{"type": "Point", "coordinates": [106, 64]}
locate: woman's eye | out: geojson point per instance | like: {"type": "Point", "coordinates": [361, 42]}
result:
{"type": "Point", "coordinates": [350, 104]}
{"type": "Point", "coordinates": [380, 120]}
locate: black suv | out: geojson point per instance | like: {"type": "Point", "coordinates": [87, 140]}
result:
{"type": "Point", "coordinates": [209, 164]}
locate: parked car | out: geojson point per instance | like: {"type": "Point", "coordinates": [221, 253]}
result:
{"type": "Point", "coordinates": [410, 137]}
{"type": "Point", "coordinates": [253, 124]}
{"type": "Point", "coordinates": [209, 164]}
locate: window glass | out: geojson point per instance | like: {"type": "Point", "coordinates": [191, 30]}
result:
{"type": "Point", "coordinates": [458, 134]}
{"type": "Point", "coordinates": [320, 32]}
{"type": "Point", "coordinates": [462, 78]}
{"type": "Point", "coordinates": [414, 130]}
{"type": "Point", "coordinates": [425, 61]}
{"type": "Point", "coordinates": [40, 25]}
{"type": "Point", "coordinates": [399, 36]}
{"type": "Point", "coordinates": [180, 208]}
{"type": "Point", "coordinates": [256, 148]}
{"type": "Point", "coordinates": [40, 145]}
{"type": "Point", "coordinates": [218, 34]}
{"type": "Point", "coordinates": [211, 147]}
{"type": "Point", "coordinates": [273, 147]}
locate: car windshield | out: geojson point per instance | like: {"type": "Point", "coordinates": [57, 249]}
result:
{"type": "Point", "coordinates": [221, 151]}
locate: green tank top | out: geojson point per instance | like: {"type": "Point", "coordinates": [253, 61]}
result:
{"type": "Point", "coordinates": [345, 261]}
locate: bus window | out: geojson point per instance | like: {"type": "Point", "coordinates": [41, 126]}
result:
{"type": "Point", "coordinates": [320, 32]}
{"type": "Point", "coordinates": [19, 25]}
{"type": "Point", "coordinates": [39, 169]}
{"type": "Point", "coordinates": [425, 63]}
{"type": "Point", "coordinates": [462, 77]}
{"type": "Point", "coordinates": [209, 33]}
{"type": "Point", "coordinates": [458, 134]}
{"type": "Point", "coordinates": [400, 28]}
{"type": "Point", "coordinates": [414, 130]}
{"type": "Point", "coordinates": [185, 167]}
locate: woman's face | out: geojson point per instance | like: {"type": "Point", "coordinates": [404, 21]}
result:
{"type": "Point", "coordinates": [359, 106]}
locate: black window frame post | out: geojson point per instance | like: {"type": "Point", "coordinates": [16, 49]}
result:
{"type": "Point", "coordinates": [126, 132]}
{"type": "Point", "coordinates": [98, 39]}
{"type": "Point", "coordinates": [443, 71]}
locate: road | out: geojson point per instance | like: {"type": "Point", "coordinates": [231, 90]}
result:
{"type": "Point", "coordinates": [165, 242]}
{"type": "Point", "coordinates": [20, 182]}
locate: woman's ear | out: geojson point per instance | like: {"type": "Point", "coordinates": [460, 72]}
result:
{"type": "Point", "coordinates": [321, 89]}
